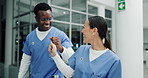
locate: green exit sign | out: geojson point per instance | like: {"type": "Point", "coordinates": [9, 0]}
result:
{"type": "Point", "coordinates": [121, 4]}
{"type": "Point", "coordinates": [120, 0]}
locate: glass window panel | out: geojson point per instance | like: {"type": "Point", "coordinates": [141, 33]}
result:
{"type": "Point", "coordinates": [33, 20]}
{"type": "Point", "coordinates": [25, 19]}
{"type": "Point", "coordinates": [15, 44]}
{"type": "Point", "coordinates": [18, 42]}
{"type": "Point", "coordinates": [34, 25]}
{"type": "Point", "coordinates": [90, 15]}
{"type": "Point", "coordinates": [21, 21]}
{"type": "Point", "coordinates": [22, 7]}
{"type": "Point", "coordinates": [63, 27]}
{"type": "Point", "coordinates": [15, 23]}
{"type": "Point", "coordinates": [15, 9]}
{"type": "Point", "coordinates": [61, 15]}
{"type": "Point", "coordinates": [62, 3]}
{"type": "Point", "coordinates": [92, 10]}
{"type": "Point", "coordinates": [108, 13]}
{"type": "Point", "coordinates": [79, 5]}
{"type": "Point", "coordinates": [109, 34]}
{"type": "Point", "coordinates": [78, 18]}
{"type": "Point", "coordinates": [77, 37]}
{"type": "Point", "coordinates": [109, 23]}
{"type": "Point", "coordinates": [38, 1]}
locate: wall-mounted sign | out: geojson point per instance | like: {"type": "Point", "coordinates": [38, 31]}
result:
{"type": "Point", "coordinates": [121, 4]}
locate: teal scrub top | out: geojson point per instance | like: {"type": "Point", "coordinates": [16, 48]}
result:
{"type": "Point", "coordinates": [42, 65]}
{"type": "Point", "coordinates": [107, 65]}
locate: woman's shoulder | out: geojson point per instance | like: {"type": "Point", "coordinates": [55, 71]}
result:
{"type": "Point", "coordinates": [113, 55]}
{"type": "Point", "coordinates": [80, 51]}
{"type": "Point", "coordinates": [82, 48]}
{"type": "Point", "coordinates": [85, 46]}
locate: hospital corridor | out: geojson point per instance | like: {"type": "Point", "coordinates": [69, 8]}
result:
{"type": "Point", "coordinates": [127, 22]}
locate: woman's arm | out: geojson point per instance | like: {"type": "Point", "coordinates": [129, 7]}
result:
{"type": "Point", "coordinates": [64, 68]}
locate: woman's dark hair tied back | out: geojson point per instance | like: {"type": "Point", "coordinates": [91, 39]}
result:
{"type": "Point", "coordinates": [101, 24]}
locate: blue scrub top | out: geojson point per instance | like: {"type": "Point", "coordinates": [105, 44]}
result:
{"type": "Point", "coordinates": [42, 65]}
{"type": "Point", "coordinates": [108, 65]}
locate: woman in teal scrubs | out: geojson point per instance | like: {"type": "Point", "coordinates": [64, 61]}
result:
{"type": "Point", "coordinates": [91, 61]}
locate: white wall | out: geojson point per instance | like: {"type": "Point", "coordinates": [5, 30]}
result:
{"type": "Point", "coordinates": [145, 13]}
{"type": "Point", "coordinates": [129, 25]}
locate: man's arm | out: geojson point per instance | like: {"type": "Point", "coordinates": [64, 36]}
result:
{"type": "Point", "coordinates": [56, 41]}
{"type": "Point", "coordinates": [25, 62]}
{"type": "Point", "coordinates": [67, 53]}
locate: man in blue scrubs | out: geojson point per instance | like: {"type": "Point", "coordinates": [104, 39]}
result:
{"type": "Point", "coordinates": [35, 50]}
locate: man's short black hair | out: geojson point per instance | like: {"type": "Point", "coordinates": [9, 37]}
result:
{"type": "Point", "coordinates": [41, 6]}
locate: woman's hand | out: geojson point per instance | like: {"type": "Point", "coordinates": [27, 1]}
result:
{"type": "Point", "coordinates": [52, 49]}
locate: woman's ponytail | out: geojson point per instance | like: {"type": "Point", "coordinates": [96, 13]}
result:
{"type": "Point", "coordinates": [107, 43]}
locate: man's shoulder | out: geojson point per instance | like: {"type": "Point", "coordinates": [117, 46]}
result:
{"type": "Point", "coordinates": [56, 29]}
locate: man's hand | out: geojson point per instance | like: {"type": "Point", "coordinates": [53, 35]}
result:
{"type": "Point", "coordinates": [56, 41]}
{"type": "Point", "coordinates": [52, 49]}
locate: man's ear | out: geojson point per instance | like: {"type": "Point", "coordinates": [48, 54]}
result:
{"type": "Point", "coordinates": [36, 18]}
